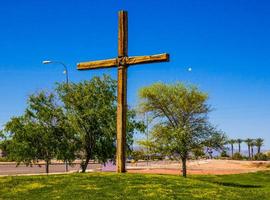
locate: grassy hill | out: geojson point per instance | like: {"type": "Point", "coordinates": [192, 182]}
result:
{"type": "Point", "coordinates": [136, 186]}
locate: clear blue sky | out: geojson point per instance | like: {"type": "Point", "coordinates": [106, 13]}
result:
{"type": "Point", "coordinates": [226, 43]}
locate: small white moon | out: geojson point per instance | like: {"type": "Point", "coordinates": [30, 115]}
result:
{"type": "Point", "coordinates": [189, 69]}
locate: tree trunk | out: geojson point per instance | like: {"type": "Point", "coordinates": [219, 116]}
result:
{"type": "Point", "coordinates": [210, 152]}
{"type": "Point", "coordinates": [239, 148]}
{"type": "Point", "coordinates": [259, 149]}
{"type": "Point", "coordinates": [66, 165]}
{"type": "Point", "coordinates": [47, 166]}
{"type": "Point", "coordinates": [252, 152]}
{"type": "Point", "coordinates": [184, 167]}
{"type": "Point", "coordinates": [249, 152]}
{"type": "Point", "coordinates": [85, 164]}
{"type": "Point", "coordinates": [232, 149]}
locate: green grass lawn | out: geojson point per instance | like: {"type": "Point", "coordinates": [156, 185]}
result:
{"type": "Point", "coordinates": [136, 186]}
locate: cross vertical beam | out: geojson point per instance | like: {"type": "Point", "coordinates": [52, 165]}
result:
{"type": "Point", "coordinates": [122, 91]}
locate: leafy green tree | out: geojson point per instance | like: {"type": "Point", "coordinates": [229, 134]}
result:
{"type": "Point", "coordinates": [199, 153]}
{"type": "Point", "coordinates": [40, 134]}
{"type": "Point", "coordinates": [216, 141]}
{"type": "Point", "coordinates": [4, 148]}
{"type": "Point", "coordinates": [133, 125]}
{"type": "Point", "coordinates": [91, 111]}
{"type": "Point", "coordinates": [22, 136]}
{"type": "Point", "coordinates": [148, 144]}
{"type": "Point", "coordinates": [258, 144]}
{"type": "Point", "coordinates": [180, 118]}
{"type": "Point", "coordinates": [2, 135]}
{"type": "Point", "coordinates": [138, 155]}
{"type": "Point", "coordinates": [3, 144]}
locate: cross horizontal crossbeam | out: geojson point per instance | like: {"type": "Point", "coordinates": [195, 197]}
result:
{"type": "Point", "coordinates": [133, 60]}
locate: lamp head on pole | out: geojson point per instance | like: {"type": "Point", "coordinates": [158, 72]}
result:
{"type": "Point", "coordinates": [46, 62]}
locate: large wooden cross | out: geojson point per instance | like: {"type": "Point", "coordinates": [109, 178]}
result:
{"type": "Point", "coordinates": [122, 62]}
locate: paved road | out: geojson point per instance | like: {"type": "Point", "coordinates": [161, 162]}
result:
{"type": "Point", "coordinates": [11, 169]}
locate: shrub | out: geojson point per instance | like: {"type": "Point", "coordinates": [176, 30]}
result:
{"type": "Point", "coordinates": [5, 159]}
{"type": "Point", "coordinates": [237, 156]}
{"type": "Point", "coordinates": [268, 155]}
{"type": "Point", "coordinates": [260, 156]}
{"type": "Point", "coordinates": [137, 155]}
{"type": "Point", "coordinates": [224, 154]}
{"type": "Point", "coordinates": [198, 153]}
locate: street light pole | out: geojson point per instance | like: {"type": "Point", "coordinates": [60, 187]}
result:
{"type": "Point", "coordinates": [67, 82]}
{"type": "Point", "coordinates": [147, 137]}
{"type": "Point", "coordinates": [61, 63]}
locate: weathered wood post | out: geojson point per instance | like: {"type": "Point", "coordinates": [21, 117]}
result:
{"type": "Point", "coordinates": [122, 91]}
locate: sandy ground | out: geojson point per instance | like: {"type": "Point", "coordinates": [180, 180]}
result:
{"type": "Point", "coordinates": [155, 167]}
{"type": "Point", "coordinates": [214, 167]}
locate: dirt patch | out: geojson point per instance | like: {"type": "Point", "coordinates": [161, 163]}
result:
{"type": "Point", "coordinates": [215, 167]}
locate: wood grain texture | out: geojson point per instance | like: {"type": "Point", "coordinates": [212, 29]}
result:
{"type": "Point", "coordinates": [121, 119]}
{"type": "Point", "coordinates": [97, 64]}
{"type": "Point", "coordinates": [122, 92]}
{"type": "Point", "coordinates": [122, 33]}
{"type": "Point", "coordinates": [147, 59]}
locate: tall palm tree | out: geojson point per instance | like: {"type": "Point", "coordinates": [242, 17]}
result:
{"type": "Point", "coordinates": [231, 142]}
{"type": "Point", "coordinates": [239, 141]}
{"type": "Point", "coordinates": [248, 141]}
{"type": "Point", "coordinates": [258, 144]}
{"type": "Point", "coordinates": [252, 144]}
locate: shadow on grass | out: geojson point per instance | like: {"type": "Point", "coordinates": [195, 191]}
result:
{"type": "Point", "coordinates": [229, 184]}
